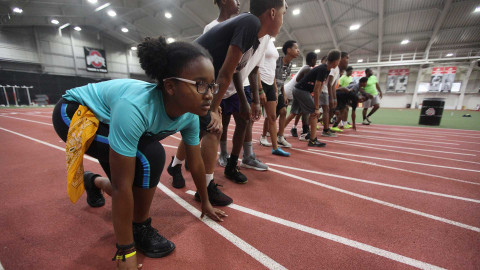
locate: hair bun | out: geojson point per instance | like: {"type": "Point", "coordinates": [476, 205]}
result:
{"type": "Point", "coordinates": [152, 53]}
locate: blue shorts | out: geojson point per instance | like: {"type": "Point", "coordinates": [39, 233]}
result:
{"type": "Point", "coordinates": [232, 104]}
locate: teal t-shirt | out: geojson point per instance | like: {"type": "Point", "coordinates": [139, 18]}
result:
{"type": "Point", "coordinates": [371, 87]}
{"type": "Point", "coordinates": [133, 108]}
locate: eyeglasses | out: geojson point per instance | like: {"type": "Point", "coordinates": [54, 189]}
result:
{"type": "Point", "coordinates": [202, 87]}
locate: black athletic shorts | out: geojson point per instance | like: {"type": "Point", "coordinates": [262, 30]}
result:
{"type": "Point", "coordinates": [281, 103]}
{"type": "Point", "coordinates": [269, 92]}
{"type": "Point", "coordinates": [150, 158]}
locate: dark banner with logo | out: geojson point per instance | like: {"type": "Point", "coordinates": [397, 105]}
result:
{"type": "Point", "coordinates": [95, 59]}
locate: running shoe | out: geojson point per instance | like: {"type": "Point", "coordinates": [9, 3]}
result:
{"type": "Point", "coordinates": [328, 133]}
{"type": "Point", "coordinates": [336, 129]}
{"type": "Point", "coordinates": [365, 122]}
{"type": "Point", "coordinates": [233, 173]}
{"type": "Point", "coordinates": [149, 241]}
{"type": "Point", "coordinates": [222, 160]}
{"type": "Point", "coordinates": [215, 196]}
{"type": "Point", "coordinates": [280, 152]}
{"type": "Point", "coordinates": [176, 172]}
{"type": "Point", "coordinates": [304, 137]}
{"type": "Point", "coordinates": [264, 141]}
{"type": "Point", "coordinates": [94, 195]}
{"type": "Point", "coordinates": [253, 163]}
{"type": "Point", "coordinates": [293, 131]}
{"type": "Point", "coordinates": [347, 126]}
{"type": "Point", "coordinates": [316, 143]}
{"type": "Point", "coordinates": [368, 119]}
{"type": "Point", "coordinates": [281, 140]}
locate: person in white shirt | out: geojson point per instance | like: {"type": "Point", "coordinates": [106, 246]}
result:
{"type": "Point", "coordinates": [228, 9]}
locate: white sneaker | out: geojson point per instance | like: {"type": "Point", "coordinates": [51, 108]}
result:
{"type": "Point", "coordinates": [264, 141]}
{"type": "Point", "coordinates": [304, 137]}
{"type": "Point", "coordinates": [281, 140]}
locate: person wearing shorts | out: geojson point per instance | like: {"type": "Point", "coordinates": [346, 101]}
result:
{"type": "Point", "coordinates": [372, 88]}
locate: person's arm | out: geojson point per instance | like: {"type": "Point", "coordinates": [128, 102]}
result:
{"type": "Point", "coordinates": [316, 94]}
{"type": "Point", "coordinates": [197, 169]}
{"type": "Point", "coordinates": [331, 94]}
{"type": "Point", "coordinates": [303, 73]}
{"type": "Point", "coordinates": [261, 93]}
{"type": "Point", "coordinates": [379, 90]}
{"type": "Point", "coordinates": [253, 79]}
{"type": "Point", "coordinates": [285, 99]}
{"type": "Point", "coordinates": [245, 111]}
{"type": "Point", "coordinates": [122, 169]}
{"type": "Point", "coordinates": [354, 108]}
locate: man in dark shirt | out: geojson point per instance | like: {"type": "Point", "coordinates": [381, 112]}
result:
{"type": "Point", "coordinates": [302, 98]}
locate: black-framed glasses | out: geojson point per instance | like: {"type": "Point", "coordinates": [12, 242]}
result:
{"type": "Point", "coordinates": [202, 87]}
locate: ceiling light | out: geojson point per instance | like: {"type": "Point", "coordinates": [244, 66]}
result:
{"type": "Point", "coordinates": [354, 27]}
{"type": "Point", "coordinates": [405, 41]}
{"type": "Point", "coordinates": [294, 65]}
{"type": "Point", "coordinates": [360, 61]}
{"type": "Point", "coordinates": [54, 21]}
{"type": "Point", "coordinates": [279, 48]}
{"type": "Point", "coordinates": [170, 40]}
{"type": "Point", "coordinates": [317, 51]}
{"type": "Point", "coordinates": [92, 1]}
{"type": "Point", "coordinates": [102, 7]}
{"type": "Point", "coordinates": [133, 48]}
{"type": "Point", "coordinates": [111, 13]}
{"type": "Point", "coordinates": [168, 15]}
{"type": "Point", "coordinates": [449, 54]}
{"type": "Point", "coordinates": [63, 26]}
{"type": "Point", "coordinates": [124, 30]}
{"type": "Point", "coordinates": [17, 10]}
{"type": "Point", "coordinates": [477, 9]}
{"type": "Point", "coordinates": [296, 11]}
{"type": "Point", "coordinates": [77, 28]}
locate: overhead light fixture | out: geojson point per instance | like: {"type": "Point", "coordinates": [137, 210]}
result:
{"type": "Point", "coordinates": [360, 61]}
{"type": "Point", "coordinates": [133, 48]}
{"type": "Point", "coordinates": [168, 15]}
{"type": "Point", "coordinates": [294, 65]}
{"type": "Point", "coordinates": [92, 1]}
{"type": "Point", "coordinates": [296, 11]}
{"type": "Point", "coordinates": [170, 40]}
{"type": "Point", "coordinates": [405, 41]}
{"type": "Point", "coordinates": [77, 28]}
{"type": "Point", "coordinates": [102, 7]}
{"type": "Point", "coordinates": [449, 54]}
{"type": "Point", "coordinates": [354, 27]}
{"type": "Point", "coordinates": [317, 51]}
{"type": "Point", "coordinates": [18, 10]}
{"type": "Point", "coordinates": [54, 21]}
{"type": "Point", "coordinates": [477, 9]}
{"type": "Point", "coordinates": [124, 30]}
{"type": "Point", "coordinates": [112, 13]}
{"type": "Point", "coordinates": [63, 26]}
{"type": "Point", "coordinates": [279, 48]}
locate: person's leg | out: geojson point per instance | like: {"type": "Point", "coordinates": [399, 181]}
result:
{"type": "Point", "coordinates": [294, 131]}
{"type": "Point", "coordinates": [271, 122]}
{"type": "Point", "coordinates": [222, 158]}
{"type": "Point", "coordinates": [374, 109]}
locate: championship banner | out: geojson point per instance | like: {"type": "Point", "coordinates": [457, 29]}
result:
{"type": "Point", "coordinates": [442, 79]}
{"type": "Point", "coordinates": [397, 80]}
{"type": "Point", "coordinates": [357, 75]}
{"type": "Point", "coordinates": [95, 59]}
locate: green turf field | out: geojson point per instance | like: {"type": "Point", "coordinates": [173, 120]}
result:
{"type": "Point", "coordinates": [409, 117]}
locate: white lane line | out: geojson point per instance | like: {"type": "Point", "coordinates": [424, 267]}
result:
{"type": "Point", "coordinates": [396, 160]}
{"type": "Point", "coordinates": [38, 122]}
{"type": "Point", "coordinates": [466, 131]}
{"type": "Point", "coordinates": [401, 152]}
{"type": "Point", "coordinates": [235, 240]}
{"type": "Point", "coordinates": [1, 266]}
{"type": "Point", "coordinates": [378, 183]}
{"type": "Point", "coordinates": [384, 203]}
{"type": "Point", "coordinates": [416, 135]}
{"type": "Point", "coordinates": [408, 148]}
{"type": "Point", "coordinates": [432, 131]}
{"type": "Point", "coordinates": [333, 237]}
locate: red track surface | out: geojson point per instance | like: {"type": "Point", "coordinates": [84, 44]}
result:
{"type": "Point", "coordinates": [414, 205]}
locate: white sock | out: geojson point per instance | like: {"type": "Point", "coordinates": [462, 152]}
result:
{"type": "Point", "coordinates": [209, 178]}
{"type": "Point", "coordinates": [176, 161]}
{"type": "Point", "coordinates": [341, 123]}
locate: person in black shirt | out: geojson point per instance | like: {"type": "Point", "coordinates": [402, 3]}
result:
{"type": "Point", "coordinates": [303, 102]}
{"type": "Point", "coordinates": [351, 96]}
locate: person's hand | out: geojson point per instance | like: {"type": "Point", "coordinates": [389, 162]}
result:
{"type": "Point", "coordinates": [381, 94]}
{"type": "Point", "coordinates": [285, 99]}
{"type": "Point", "coordinates": [317, 113]}
{"type": "Point", "coordinates": [256, 112]}
{"type": "Point", "coordinates": [219, 110]}
{"type": "Point", "coordinates": [263, 99]}
{"type": "Point", "coordinates": [215, 125]}
{"type": "Point", "coordinates": [213, 213]}
{"type": "Point", "coordinates": [129, 264]}
{"type": "Point", "coordinates": [245, 111]}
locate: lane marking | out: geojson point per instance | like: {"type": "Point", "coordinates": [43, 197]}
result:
{"type": "Point", "coordinates": [396, 160]}
{"type": "Point", "coordinates": [235, 240]}
{"type": "Point", "coordinates": [416, 135]}
{"type": "Point", "coordinates": [28, 120]}
{"type": "Point", "coordinates": [332, 237]}
{"type": "Point", "coordinates": [1, 266]}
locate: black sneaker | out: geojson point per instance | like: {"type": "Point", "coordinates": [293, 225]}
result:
{"type": "Point", "coordinates": [294, 132]}
{"type": "Point", "coordinates": [234, 174]}
{"type": "Point", "coordinates": [316, 143]}
{"type": "Point", "coordinates": [94, 195]}
{"type": "Point", "coordinates": [215, 196]}
{"type": "Point", "coordinates": [149, 241]}
{"type": "Point", "coordinates": [176, 173]}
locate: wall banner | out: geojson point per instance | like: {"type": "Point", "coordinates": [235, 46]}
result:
{"type": "Point", "coordinates": [95, 59]}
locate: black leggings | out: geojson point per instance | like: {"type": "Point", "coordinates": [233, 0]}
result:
{"type": "Point", "coordinates": [150, 153]}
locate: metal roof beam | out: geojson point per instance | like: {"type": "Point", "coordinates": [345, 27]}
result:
{"type": "Point", "coordinates": [355, 6]}
{"type": "Point", "coordinates": [438, 25]}
{"type": "Point", "coordinates": [380, 27]}
{"type": "Point", "coordinates": [327, 19]}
